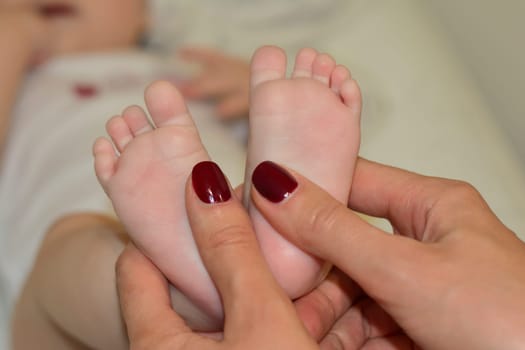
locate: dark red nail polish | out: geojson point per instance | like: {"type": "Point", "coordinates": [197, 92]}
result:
{"type": "Point", "coordinates": [209, 183]}
{"type": "Point", "coordinates": [273, 182]}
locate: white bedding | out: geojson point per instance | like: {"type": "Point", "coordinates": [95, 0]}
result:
{"type": "Point", "coordinates": [422, 109]}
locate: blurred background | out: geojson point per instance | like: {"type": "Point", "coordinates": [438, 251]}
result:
{"type": "Point", "coordinates": [488, 36]}
{"type": "Point", "coordinates": [442, 79]}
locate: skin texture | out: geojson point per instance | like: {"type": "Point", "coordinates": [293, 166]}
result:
{"type": "Point", "coordinates": [451, 277]}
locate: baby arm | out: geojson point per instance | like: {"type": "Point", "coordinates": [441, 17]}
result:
{"type": "Point", "coordinates": [22, 37]}
{"type": "Point", "coordinates": [222, 79]}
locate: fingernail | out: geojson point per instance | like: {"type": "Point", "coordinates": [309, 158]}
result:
{"type": "Point", "coordinates": [209, 183]}
{"type": "Point", "coordinates": [273, 182]}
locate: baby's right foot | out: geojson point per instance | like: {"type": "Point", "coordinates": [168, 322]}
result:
{"type": "Point", "coordinates": [310, 123]}
{"type": "Point", "coordinates": [146, 184]}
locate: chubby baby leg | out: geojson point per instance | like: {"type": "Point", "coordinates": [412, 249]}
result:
{"type": "Point", "coordinates": [69, 300]}
{"type": "Point", "coordinates": [310, 123]}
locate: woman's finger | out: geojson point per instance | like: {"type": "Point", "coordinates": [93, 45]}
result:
{"type": "Point", "coordinates": [321, 308]}
{"type": "Point", "coordinates": [407, 199]}
{"type": "Point", "coordinates": [366, 320]}
{"type": "Point", "coordinates": [319, 224]}
{"type": "Point", "coordinates": [230, 251]}
{"type": "Point", "coordinates": [144, 299]}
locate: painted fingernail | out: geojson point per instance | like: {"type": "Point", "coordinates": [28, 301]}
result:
{"type": "Point", "coordinates": [209, 183]}
{"type": "Point", "coordinates": [273, 182]}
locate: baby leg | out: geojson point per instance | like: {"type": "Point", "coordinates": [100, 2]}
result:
{"type": "Point", "coordinates": [146, 183]}
{"type": "Point", "coordinates": [69, 300]}
{"type": "Point", "coordinates": [310, 123]}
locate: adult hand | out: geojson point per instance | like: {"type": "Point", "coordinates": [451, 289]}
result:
{"type": "Point", "coordinates": [452, 276]}
{"type": "Point", "coordinates": [258, 314]}
{"type": "Point", "coordinates": [333, 310]}
{"type": "Point", "coordinates": [334, 313]}
{"type": "Point", "coordinates": [223, 79]}
{"type": "Point", "coordinates": [340, 316]}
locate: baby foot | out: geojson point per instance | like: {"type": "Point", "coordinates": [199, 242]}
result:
{"type": "Point", "coordinates": [310, 123]}
{"type": "Point", "coordinates": [146, 184]}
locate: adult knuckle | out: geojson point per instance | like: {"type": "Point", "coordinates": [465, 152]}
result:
{"type": "Point", "coordinates": [466, 191]}
{"type": "Point", "coordinates": [326, 307]}
{"type": "Point", "coordinates": [323, 219]}
{"type": "Point", "coordinates": [457, 191]}
{"type": "Point", "coordinates": [457, 200]}
{"type": "Point", "coordinates": [334, 341]}
{"type": "Point", "coordinates": [230, 235]}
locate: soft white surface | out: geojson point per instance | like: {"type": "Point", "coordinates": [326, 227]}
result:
{"type": "Point", "coordinates": [489, 36]}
